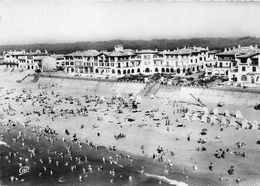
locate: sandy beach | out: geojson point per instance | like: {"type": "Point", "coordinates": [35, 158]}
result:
{"type": "Point", "coordinates": [164, 134]}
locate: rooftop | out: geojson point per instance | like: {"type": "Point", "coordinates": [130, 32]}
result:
{"type": "Point", "coordinates": [240, 51]}
{"type": "Point", "coordinates": [146, 51]}
{"type": "Point", "coordinates": [87, 53]}
{"type": "Point", "coordinates": [248, 55]}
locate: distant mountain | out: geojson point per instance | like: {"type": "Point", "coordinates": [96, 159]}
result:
{"type": "Point", "coordinates": [160, 44]}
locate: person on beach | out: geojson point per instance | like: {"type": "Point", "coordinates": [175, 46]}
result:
{"type": "Point", "coordinates": [210, 166]}
{"type": "Point", "coordinates": [195, 167]}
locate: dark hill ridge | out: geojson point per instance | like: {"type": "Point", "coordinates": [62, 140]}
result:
{"type": "Point", "coordinates": [160, 44]}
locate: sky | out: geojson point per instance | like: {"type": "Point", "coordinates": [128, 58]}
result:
{"type": "Point", "coordinates": [58, 21]}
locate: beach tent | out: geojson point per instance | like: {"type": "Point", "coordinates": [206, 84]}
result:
{"type": "Point", "coordinates": [157, 116]}
{"type": "Point", "coordinates": [215, 111]}
{"type": "Point", "coordinates": [152, 96]}
{"type": "Point", "coordinates": [204, 119]}
{"type": "Point", "coordinates": [224, 121]}
{"type": "Point", "coordinates": [205, 111]}
{"type": "Point", "coordinates": [132, 98]}
{"type": "Point", "coordinates": [118, 95]}
{"type": "Point", "coordinates": [239, 114]}
{"type": "Point", "coordinates": [195, 117]}
{"type": "Point", "coordinates": [255, 125]}
{"type": "Point", "coordinates": [138, 99]}
{"type": "Point", "coordinates": [232, 122]}
{"type": "Point", "coordinates": [213, 119]}
{"type": "Point", "coordinates": [245, 124]}
{"type": "Point", "coordinates": [187, 116]}
{"type": "Point", "coordinates": [102, 98]}
{"type": "Point", "coordinates": [227, 113]}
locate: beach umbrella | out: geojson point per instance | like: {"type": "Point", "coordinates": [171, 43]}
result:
{"type": "Point", "coordinates": [239, 114]}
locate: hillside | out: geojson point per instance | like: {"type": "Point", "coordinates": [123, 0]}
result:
{"type": "Point", "coordinates": [160, 44]}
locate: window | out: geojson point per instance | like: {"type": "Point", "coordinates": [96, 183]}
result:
{"type": "Point", "coordinates": [254, 69]}
{"type": "Point", "coordinates": [243, 78]}
{"type": "Point", "coordinates": [243, 69]}
{"type": "Point", "coordinates": [255, 62]}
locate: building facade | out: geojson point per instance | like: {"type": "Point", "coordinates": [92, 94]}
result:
{"type": "Point", "coordinates": [23, 60]}
{"type": "Point", "coordinates": [248, 69]}
{"type": "Point", "coordinates": [240, 65]}
{"type": "Point", "coordinates": [121, 62]}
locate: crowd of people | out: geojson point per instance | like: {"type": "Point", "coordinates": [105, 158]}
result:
{"type": "Point", "coordinates": [64, 151]}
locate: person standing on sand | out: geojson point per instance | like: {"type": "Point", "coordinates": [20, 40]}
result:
{"type": "Point", "coordinates": [142, 148]}
{"type": "Point", "coordinates": [195, 167]}
{"type": "Point", "coordinates": [210, 166]}
{"type": "Point", "coordinates": [188, 138]}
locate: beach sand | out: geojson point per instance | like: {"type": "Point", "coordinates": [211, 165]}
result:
{"type": "Point", "coordinates": [146, 131]}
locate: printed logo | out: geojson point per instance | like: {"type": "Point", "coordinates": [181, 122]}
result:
{"type": "Point", "coordinates": [24, 170]}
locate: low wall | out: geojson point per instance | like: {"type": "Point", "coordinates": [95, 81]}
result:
{"type": "Point", "coordinates": [210, 95]}
{"type": "Point", "coordinates": [99, 86]}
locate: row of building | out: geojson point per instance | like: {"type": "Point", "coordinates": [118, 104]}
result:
{"type": "Point", "coordinates": [240, 64]}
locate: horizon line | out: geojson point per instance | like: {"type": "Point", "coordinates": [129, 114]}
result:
{"type": "Point", "coordinates": [110, 40]}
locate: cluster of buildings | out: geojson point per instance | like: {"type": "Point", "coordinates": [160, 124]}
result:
{"type": "Point", "coordinates": [32, 60]}
{"type": "Point", "coordinates": [240, 65]}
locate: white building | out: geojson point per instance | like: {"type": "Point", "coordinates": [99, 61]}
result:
{"type": "Point", "coordinates": [227, 61]}
{"type": "Point", "coordinates": [121, 62]}
{"type": "Point", "coordinates": [47, 63]}
{"type": "Point", "coordinates": [22, 59]}
{"type": "Point", "coordinates": [248, 69]}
